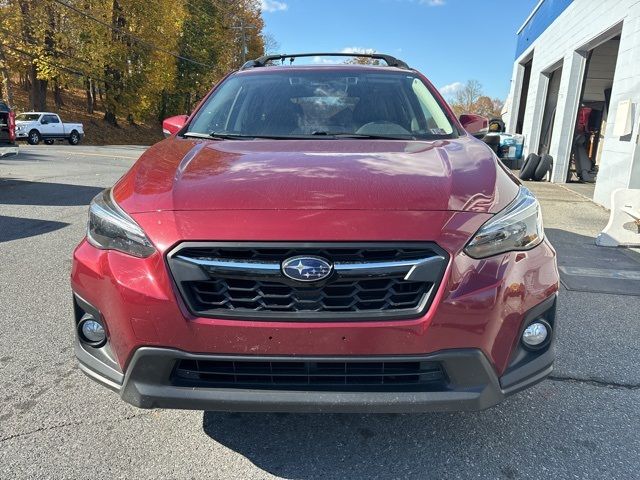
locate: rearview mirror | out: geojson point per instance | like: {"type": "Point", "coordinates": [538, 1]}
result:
{"type": "Point", "coordinates": [172, 125]}
{"type": "Point", "coordinates": [476, 125]}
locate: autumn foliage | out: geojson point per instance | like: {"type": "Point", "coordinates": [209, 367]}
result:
{"type": "Point", "coordinates": [133, 59]}
{"type": "Point", "coordinates": [470, 99]}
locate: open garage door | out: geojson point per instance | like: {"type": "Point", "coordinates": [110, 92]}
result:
{"type": "Point", "coordinates": [593, 111]}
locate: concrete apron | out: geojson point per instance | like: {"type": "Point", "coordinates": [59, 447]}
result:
{"type": "Point", "coordinates": [571, 224]}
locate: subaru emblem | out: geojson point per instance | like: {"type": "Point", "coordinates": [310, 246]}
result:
{"type": "Point", "coordinates": [306, 269]}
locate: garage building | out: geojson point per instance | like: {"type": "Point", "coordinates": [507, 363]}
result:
{"type": "Point", "coordinates": [575, 91]}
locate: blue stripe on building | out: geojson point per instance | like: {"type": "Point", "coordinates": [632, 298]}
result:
{"type": "Point", "coordinates": [548, 11]}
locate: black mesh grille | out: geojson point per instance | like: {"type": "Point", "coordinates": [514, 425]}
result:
{"type": "Point", "coordinates": [311, 375]}
{"type": "Point", "coordinates": [340, 296]}
{"type": "Point", "coordinates": [252, 293]}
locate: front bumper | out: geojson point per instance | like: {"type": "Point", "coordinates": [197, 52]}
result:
{"type": "Point", "coordinates": [481, 306]}
{"type": "Point", "coordinates": [471, 380]}
{"type": "Point", "coordinates": [472, 385]}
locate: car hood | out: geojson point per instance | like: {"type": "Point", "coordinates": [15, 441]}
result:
{"type": "Point", "coordinates": [188, 174]}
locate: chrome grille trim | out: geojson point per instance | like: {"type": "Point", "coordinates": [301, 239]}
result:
{"type": "Point", "coordinates": [344, 269]}
{"type": "Point", "coordinates": [244, 280]}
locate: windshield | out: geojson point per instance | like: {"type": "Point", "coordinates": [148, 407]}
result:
{"type": "Point", "coordinates": [329, 104]}
{"type": "Point", "coordinates": [28, 117]}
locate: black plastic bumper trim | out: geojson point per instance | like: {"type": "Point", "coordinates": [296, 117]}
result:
{"type": "Point", "coordinates": [528, 367]}
{"type": "Point", "coordinates": [96, 362]}
{"type": "Point", "coordinates": [473, 385]}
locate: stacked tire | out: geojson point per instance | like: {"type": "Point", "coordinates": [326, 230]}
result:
{"type": "Point", "coordinates": [536, 167]}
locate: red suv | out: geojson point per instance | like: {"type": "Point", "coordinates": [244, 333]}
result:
{"type": "Point", "coordinates": [316, 238]}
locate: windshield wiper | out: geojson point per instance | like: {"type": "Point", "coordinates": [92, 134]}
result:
{"type": "Point", "coordinates": [359, 135]}
{"type": "Point", "coordinates": [218, 136]}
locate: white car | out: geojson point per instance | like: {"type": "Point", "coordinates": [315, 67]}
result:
{"type": "Point", "coordinates": [37, 126]}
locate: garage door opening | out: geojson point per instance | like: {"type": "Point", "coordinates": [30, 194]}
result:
{"type": "Point", "coordinates": [593, 111]}
{"type": "Point", "coordinates": [524, 93]}
{"type": "Point", "coordinates": [549, 115]}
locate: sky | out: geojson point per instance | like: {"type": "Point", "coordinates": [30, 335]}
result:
{"type": "Point", "coordinates": [450, 41]}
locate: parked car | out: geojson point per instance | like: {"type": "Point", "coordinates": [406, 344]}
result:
{"type": "Point", "coordinates": [35, 127]}
{"type": "Point", "coordinates": [317, 238]}
{"type": "Point", "coordinates": [8, 144]}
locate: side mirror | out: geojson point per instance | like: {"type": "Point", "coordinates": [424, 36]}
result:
{"type": "Point", "coordinates": [43, 122]}
{"type": "Point", "coordinates": [172, 125]}
{"type": "Point", "coordinates": [476, 125]}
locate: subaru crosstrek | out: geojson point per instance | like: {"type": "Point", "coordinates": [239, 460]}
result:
{"type": "Point", "coordinates": [317, 238]}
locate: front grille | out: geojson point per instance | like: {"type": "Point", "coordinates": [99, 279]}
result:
{"type": "Point", "coordinates": [315, 375]}
{"type": "Point", "coordinates": [340, 296]}
{"type": "Point", "coordinates": [246, 281]}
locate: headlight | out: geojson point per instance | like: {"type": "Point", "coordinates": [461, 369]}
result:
{"type": "Point", "coordinates": [517, 227]}
{"type": "Point", "coordinates": [111, 228]}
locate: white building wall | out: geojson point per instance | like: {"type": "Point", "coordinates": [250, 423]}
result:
{"type": "Point", "coordinates": [578, 29]}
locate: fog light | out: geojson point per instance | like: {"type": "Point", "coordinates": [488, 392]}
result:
{"type": "Point", "coordinates": [536, 334]}
{"type": "Point", "coordinates": [91, 331]}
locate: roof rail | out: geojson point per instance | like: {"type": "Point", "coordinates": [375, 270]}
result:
{"type": "Point", "coordinates": [262, 61]}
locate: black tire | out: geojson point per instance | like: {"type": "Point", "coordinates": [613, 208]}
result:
{"type": "Point", "coordinates": [543, 167]}
{"type": "Point", "coordinates": [529, 167]}
{"type": "Point", "coordinates": [34, 137]}
{"type": "Point", "coordinates": [48, 141]}
{"type": "Point", "coordinates": [74, 138]}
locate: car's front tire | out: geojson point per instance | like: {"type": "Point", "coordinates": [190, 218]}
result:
{"type": "Point", "coordinates": [74, 138]}
{"type": "Point", "coordinates": [34, 137]}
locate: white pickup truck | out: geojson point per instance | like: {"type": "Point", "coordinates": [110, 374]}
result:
{"type": "Point", "coordinates": [37, 126]}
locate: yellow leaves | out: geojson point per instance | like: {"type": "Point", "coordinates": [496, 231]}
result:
{"type": "Point", "coordinates": [134, 50]}
{"type": "Point", "coordinates": [45, 68]}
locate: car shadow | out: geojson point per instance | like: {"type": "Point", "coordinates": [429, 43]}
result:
{"type": "Point", "coordinates": [429, 445]}
{"type": "Point", "coordinates": [14, 228]}
{"type": "Point", "coordinates": [326, 445]}
{"type": "Point", "coordinates": [23, 192]}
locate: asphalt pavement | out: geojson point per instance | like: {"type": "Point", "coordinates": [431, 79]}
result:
{"type": "Point", "coordinates": [583, 422]}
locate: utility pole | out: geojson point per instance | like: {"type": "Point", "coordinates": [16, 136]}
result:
{"type": "Point", "coordinates": [243, 27]}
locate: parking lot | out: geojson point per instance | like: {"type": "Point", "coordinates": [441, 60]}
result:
{"type": "Point", "coordinates": [56, 423]}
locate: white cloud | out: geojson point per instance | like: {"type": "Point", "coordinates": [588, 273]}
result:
{"type": "Point", "coordinates": [337, 60]}
{"type": "Point", "coordinates": [324, 61]}
{"type": "Point", "coordinates": [451, 89]}
{"type": "Point", "coordinates": [272, 6]}
{"type": "Point", "coordinates": [358, 50]}
{"type": "Point", "coordinates": [433, 3]}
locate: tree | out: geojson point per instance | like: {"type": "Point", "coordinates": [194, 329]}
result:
{"type": "Point", "coordinates": [466, 97]}
{"type": "Point", "coordinates": [5, 77]}
{"type": "Point", "coordinates": [470, 99]}
{"type": "Point", "coordinates": [137, 59]}
{"type": "Point", "coordinates": [483, 106]}
{"type": "Point", "coordinates": [498, 105]}
{"type": "Point", "coordinates": [360, 60]}
{"type": "Point", "coordinates": [271, 45]}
